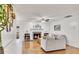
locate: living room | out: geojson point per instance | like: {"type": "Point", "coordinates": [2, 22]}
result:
{"type": "Point", "coordinates": [54, 27]}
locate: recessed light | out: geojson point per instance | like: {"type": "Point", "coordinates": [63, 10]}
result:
{"type": "Point", "coordinates": [43, 21]}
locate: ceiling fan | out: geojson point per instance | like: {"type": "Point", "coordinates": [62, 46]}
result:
{"type": "Point", "coordinates": [42, 18]}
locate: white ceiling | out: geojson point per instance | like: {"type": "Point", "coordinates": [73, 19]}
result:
{"type": "Point", "coordinates": [33, 12]}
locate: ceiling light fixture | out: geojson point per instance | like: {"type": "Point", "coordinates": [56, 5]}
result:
{"type": "Point", "coordinates": [68, 16]}
{"type": "Point", "coordinates": [43, 21]}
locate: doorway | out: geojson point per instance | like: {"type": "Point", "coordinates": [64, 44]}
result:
{"type": "Point", "coordinates": [27, 36]}
{"type": "Point", "coordinates": [36, 35]}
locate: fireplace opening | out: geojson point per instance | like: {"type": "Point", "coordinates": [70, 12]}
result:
{"type": "Point", "coordinates": [36, 35]}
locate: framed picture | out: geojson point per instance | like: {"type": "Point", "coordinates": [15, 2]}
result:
{"type": "Point", "coordinates": [57, 27]}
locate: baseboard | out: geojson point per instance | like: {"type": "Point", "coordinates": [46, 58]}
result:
{"type": "Point", "coordinates": [71, 46]}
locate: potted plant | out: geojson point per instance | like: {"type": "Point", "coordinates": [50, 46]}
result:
{"type": "Point", "coordinates": [4, 21]}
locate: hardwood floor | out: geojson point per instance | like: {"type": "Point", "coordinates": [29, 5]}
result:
{"type": "Point", "coordinates": [33, 47]}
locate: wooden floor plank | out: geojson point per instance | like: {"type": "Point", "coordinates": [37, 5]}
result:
{"type": "Point", "coordinates": [33, 47]}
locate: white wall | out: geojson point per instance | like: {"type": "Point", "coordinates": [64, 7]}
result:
{"type": "Point", "coordinates": [27, 26]}
{"type": "Point", "coordinates": [45, 28]}
{"type": "Point", "coordinates": [69, 27]}
{"type": "Point", "coordinates": [9, 41]}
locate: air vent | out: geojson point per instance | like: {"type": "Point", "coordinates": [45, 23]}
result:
{"type": "Point", "coordinates": [68, 16]}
